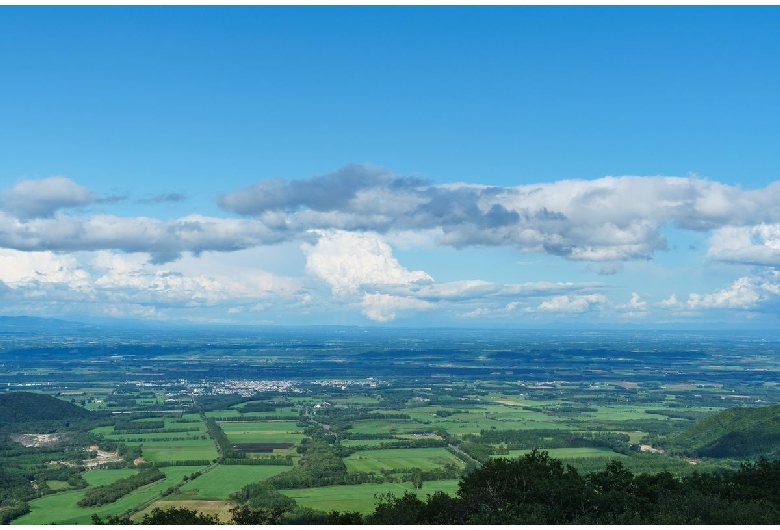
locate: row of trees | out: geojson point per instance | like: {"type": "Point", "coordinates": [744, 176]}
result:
{"type": "Point", "coordinates": [101, 495]}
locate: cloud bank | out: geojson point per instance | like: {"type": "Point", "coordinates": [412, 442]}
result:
{"type": "Point", "coordinates": [608, 220]}
{"type": "Point", "coordinates": [58, 242]}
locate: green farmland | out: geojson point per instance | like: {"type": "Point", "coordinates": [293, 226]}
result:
{"type": "Point", "coordinates": [381, 459]}
{"type": "Point", "coordinates": [361, 498]}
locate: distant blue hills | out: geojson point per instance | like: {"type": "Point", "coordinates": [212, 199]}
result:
{"type": "Point", "coordinates": [27, 323]}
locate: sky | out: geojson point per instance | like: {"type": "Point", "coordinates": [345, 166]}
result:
{"type": "Point", "coordinates": [403, 166]}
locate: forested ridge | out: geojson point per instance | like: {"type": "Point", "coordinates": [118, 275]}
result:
{"type": "Point", "coordinates": [739, 432]}
{"type": "Point", "coordinates": [28, 407]}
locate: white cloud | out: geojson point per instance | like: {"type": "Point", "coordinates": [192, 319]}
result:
{"type": "Point", "coordinates": [571, 303]}
{"type": "Point", "coordinates": [385, 307]}
{"type": "Point", "coordinates": [43, 197]}
{"type": "Point", "coordinates": [670, 303]}
{"type": "Point", "coordinates": [23, 269]}
{"type": "Point", "coordinates": [609, 220]}
{"type": "Point", "coordinates": [348, 261]}
{"type": "Point", "coordinates": [127, 284]}
{"type": "Point", "coordinates": [741, 294]}
{"type": "Point", "coordinates": [636, 307]}
{"type": "Point", "coordinates": [758, 245]}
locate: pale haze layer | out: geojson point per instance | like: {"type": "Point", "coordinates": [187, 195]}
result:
{"type": "Point", "coordinates": [506, 166]}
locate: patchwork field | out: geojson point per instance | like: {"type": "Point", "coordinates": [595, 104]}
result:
{"type": "Point", "coordinates": [178, 450]}
{"type": "Point", "coordinates": [280, 431]}
{"type": "Point", "coordinates": [61, 508]}
{"type": "Point", "coordinates": [361, 497]}
{"type": "Point", "coordinates": [221, 481]}
{"type": "Point", "coordinates": [423, 458]}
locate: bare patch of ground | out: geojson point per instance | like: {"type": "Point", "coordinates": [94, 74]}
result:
{"type": "Point", "coordinates": [650, 449]}
{"type": "Point", "coordinates": [510, 402]}
{"type": "Point", "coordinates": [36, 440]}
{"type": "Point", "coordinates": [102, 457]}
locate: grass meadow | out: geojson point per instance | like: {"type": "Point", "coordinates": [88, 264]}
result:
{"type": "Point", "coordinates": [221, 481]}
{"type": "Point", "coordinates": [361, 497]}
{"type": "Point", "coordinates": [376, 460]}
{"type": "Point", "coordinates": [262, 431]}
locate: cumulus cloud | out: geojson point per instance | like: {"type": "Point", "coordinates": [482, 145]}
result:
{"type": "Point", "coordinates": [612, 219]}
{"type": "Point", "coordinates": [742, 294]}
{"type": "Point", "coordinates": [43, 197]}
{"type": "Point", "coordinates": [382, 307]}
{"type": "Point", "coordinates": [350, 261]}
{"type": "Point", "coordinates": [571, 303]}
{"type": "Point", "coordinates": [361, 267]}
{"type": "Point", "coordinates": [636, 307]}
{"type": "Point", "coordinates": [670, 303]}
{"type": "Point", "coordinates": [608, 220]}
{"type": "Point", "coordinates": [127, 284]}
{"type": "Point", "coordinates": [756, 245]}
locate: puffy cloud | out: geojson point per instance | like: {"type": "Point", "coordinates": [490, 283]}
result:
{"type": "Point", "coordinates": [670, 303]}
{"type": "Point", "coordinates": [571, 303]}
{"type": "Point", "coordinates": [743, 294]}
{"type": "Point", "coordinates": [607, 220]}
{"type": "Point", "coordinates": [24, 269]}
{"type": "Point", "coordinates": [384, 307]}
{"type": "Point", "coordinates": [323, 193]}
{"type": "Point", "coordinates": [43, 197]}
{"type": "Point", "coordinates": [756, 245]}
{"type": "Point", "coordinates": [127, 284]}
{"type": "Point", "coordinates": [164, 240]}
{"type": "Point", "coordinates": [636, 307]}
{"type": "Point", "coordinates": [349, 261]}
{"type": "Point", "coordinates": [361, 267]}
{"type": "Point", "coordinates": [611, 219]}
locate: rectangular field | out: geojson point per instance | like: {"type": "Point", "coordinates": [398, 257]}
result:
{"type": "Point", "coordinates": [240, 432]}
{"type": "Point", "coordinates": [360, 497]}
{"type": "Point", "coordinates": [221, 481]}
{"type": "Point", "coordinates": [376, 460]}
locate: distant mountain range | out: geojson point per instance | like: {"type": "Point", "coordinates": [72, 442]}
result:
{"type": "Point", "coordinates": [26, 323]}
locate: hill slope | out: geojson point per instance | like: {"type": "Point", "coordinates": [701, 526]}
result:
{"type": "Point", "coordinates": [734, 433]}
{"type": "Point", "coordinates": [18, 407]}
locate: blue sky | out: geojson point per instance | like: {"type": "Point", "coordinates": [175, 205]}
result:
{"type": "Point", "coordinates": [505, 166]}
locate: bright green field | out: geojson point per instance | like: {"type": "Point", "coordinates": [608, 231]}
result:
{"type": "Point", "coordinates": [61, 508]}
{"type": "Point", "coordinates": [387, 426]}
{"type": "Point", "coordinates": [353, 443]}
{"type": "Point", "coordinates": [179, 450]}
{"type": "Point", "coordinates": [221, 481]}
{"type": "Point", "coordinates": [57, 485]}
{"type": "Point", "coordinates": [376, 460]}
{"type": "Point", "coordinates": [262, 431]}
{"type": "Point", "coordinates": [101, 477]}
{"type": "Point", "coordinates": [360, 497]}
